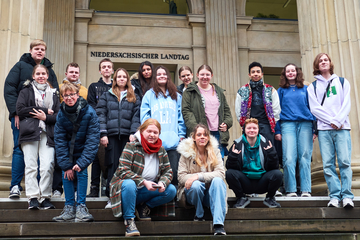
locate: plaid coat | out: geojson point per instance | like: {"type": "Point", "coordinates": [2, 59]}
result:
{"type": "Point", "coordinates": [131, 166]}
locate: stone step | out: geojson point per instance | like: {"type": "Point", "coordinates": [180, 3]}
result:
{"type": "Point", "coordinates": [158, 228]}
{"type": "Point", "coordinates": [101, 215]}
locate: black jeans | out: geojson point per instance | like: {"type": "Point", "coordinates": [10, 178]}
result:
{"type": "Point", "coordinates": [241, 184]}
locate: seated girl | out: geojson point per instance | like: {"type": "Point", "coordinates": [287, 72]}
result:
{"type": "Point", "coordinates": [142, 180]}
{"type": "Point", "coordinates": [253, 167]}
{"type": "Point", "coordinates": [201, 176]}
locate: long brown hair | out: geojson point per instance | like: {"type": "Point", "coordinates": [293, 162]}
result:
{"type": "Point", "coordinates": [210, 155]}
{"type": "Point", "coordinates": [170, 86]}
{"type": "Point", "coordinates": [130, 96]}
{"type": "Point", "coordinates": [317, 61]}
{"type": "Point", "coordinates": [299, 81]}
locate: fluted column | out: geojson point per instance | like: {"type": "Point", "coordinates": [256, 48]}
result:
{"type": "Point", "coordinates": [333, 26]}
{"type": "Point", "coordinates": [59, 25]}
{"type": "Point", "coordinates": [21, 21]}
{"type": "Point", "coordinates": [222, 48]}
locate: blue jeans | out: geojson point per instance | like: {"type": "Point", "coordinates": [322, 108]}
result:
{"type": "Point", "coordinates": [132, 196]}
{"type": "Point", "coordinates": [338, 141]}
{"type": "Point", "coordinates": [214, 197]}
{"type": "Point", "coordinates": [18, 163]}
{"type": "Point", "coordinates": [69, 188]}
{"type": "Point", "coordinates": [297, 145]}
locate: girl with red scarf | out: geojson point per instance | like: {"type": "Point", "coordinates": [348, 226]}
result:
{"type": "Point", "coordinates": [142, 180]}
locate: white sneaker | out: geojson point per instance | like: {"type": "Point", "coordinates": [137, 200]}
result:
{"type": "Point", "coordinates": [56, 194]}
{"type": "Point", "coordinates": [108, 204]}
{"type": "Point", "coordinates": [333, 203]}
{"type": "Point", "coordinates": [15, 192]}
{"type": "Point", "coordinates": [305, 194]}
{"type": "Point", "coordinates": [292, 194]}
{"type": "Point", "coordinates": [348, 203]}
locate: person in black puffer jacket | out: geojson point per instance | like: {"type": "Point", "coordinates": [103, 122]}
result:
{"type": "Point", "coordinates": [37, 107]}
{"type": "Point", "coordinates": [119, 115]}
{"type": "Point", "coordinates": [14, 82]}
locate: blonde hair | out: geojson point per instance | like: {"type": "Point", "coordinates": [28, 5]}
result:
{"type": "Point", "coordinates": [210, 155]}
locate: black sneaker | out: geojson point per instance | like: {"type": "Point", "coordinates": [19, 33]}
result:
{"type": "Point", "coordinates": [143, 212]}
{"type": "Point", "coordinates": [219, 229]}
{"type": "Point", "coordinates": [46, 204]}
{"type": "Point", "coordinates": [271, 202]}
{"type": "Point", "coordinates": [94, 192]}
{"type": "Point", "coordinates": [241, 202]}
{"type": "Point", "coordinates": [131, 229]}
{"type": "Point", "coordinates": [33, 204]}
{"type": "Point", "coordinates": [197, 219]}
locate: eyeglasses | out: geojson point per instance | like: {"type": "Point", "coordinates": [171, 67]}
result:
{"type": "Point", "coordinates": [71, 95]}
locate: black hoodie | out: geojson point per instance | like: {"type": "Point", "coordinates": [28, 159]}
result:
{"type": "Point", "coordinates": [19, 73]}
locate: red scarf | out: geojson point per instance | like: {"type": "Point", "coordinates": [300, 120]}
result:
{"type": "Point", "coordinates": [150, 148]}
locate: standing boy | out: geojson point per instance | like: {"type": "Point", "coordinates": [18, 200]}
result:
{"type": "Point", "coordinates": [14, 81]}
{"type": "Point", "coordinates": [258, 100]}
{"type": "Point", "coordinates": [329, 100]}
{"type": "Point", "coordinates": [106, 69]}
{"type": "Point", "coordinates": [77, 135]}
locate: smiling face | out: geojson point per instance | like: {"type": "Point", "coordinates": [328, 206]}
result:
{"type": "Point", "coordinates": [146, 71]}
{"type": "Point", "coordinates": [161, 77]}
{"type": "Point", "coordinates": [70, 98]}
{"type": "Point", "coordinates": [290, 73]}
{"type": "Point", "coordinates": [72, 74]}
{"type": "Point", "coordinates": [40, 75]}
{"type": "Point", "coordinates": [251, 130]}
{"type": "Point", "coordinates": [256, 74]}
{"type": "Point", "coordinates": [324, 64]}
{"type": "Point", "coordinates": [186, 77]}
{"type": "Point", "coordinates": [151, 133]}
{"type": "Point", "coordinates": [204, 77]}
{"type": "Point", "coordinates": [121, 79]}
{"type": "Point", "coordinates": [201, 137]}
{"type": "Point", "coordinates": [38, 53]}
{"type": "Point", "coordinates": [106, 69]}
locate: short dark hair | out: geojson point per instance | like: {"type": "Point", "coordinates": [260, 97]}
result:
{"type": "Point", "coordinates": [255, 64]}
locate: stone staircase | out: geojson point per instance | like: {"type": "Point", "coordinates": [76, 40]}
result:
{"type": "Point", "coordinates": [299, 218]}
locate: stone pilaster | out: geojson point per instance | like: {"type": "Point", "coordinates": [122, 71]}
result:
{"type": "Point", "coordinates": [21, 21]}
{"type": "Point", "coordinates": [333, 26]}
{"type": "Point", "coordinates": [59, 25]}
{"type": "Point", "coordinates": [222, 49]}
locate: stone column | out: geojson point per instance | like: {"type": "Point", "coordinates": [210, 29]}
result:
{"type": "Point", "coordinates": [59, 25]}
{"type": "Point", "coordinates": [21, 21]}
{"type": "Point", "coordinates": [222, 49]}
{"type": "Point", "coordinates": [333, 27]}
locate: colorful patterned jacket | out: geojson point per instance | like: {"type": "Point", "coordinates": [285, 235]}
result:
{"type": "Point", "coordinates": [271, 104]}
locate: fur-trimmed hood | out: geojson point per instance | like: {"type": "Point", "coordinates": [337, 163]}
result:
{"type": "Point", "coordinates": [185, 146]}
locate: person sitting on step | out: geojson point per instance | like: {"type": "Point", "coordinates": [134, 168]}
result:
{"type": "Point", "coordinates": [253, 167]}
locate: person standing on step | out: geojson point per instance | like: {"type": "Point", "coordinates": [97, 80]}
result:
{"type": "Point", "coordinates": [202, 176]}
{"type": "Point", "coordinates": [330, 102]}
{"type": "Point", "coordinates": [14, 82]}
{"type": "Point", "coordinates": [253, 167]}
{"type": "Point", "coordinates": [37, 107]}
{"type": "Point", "coordinates": [95, 91]}
{"type": "Point", "coordinates": [77, 136]}
{"type": "Point", "coordinates": [142, 180]}
{"type": "Point", "coordinates": [295, 130]}
{"type": "Point", "coordinates": [258, 100]}
{"type": "Point", "coordinates": [119, 114]}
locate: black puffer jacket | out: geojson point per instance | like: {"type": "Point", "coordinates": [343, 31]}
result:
{"type": "Point", "coordinates": [118, 118]}
{"type": "Point", "coordinates": [95, 91]}
{"type": "Point", "coordinates": [29, 126]}
{"type": "Point", "coordinates": [17, 76]}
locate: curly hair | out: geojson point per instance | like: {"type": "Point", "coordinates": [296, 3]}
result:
{"type": "Point", "coordinates": [299, 81]}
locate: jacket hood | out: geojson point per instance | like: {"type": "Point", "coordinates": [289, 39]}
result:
{"type": "Point", "coordinates": [26, 57]}
{"type": "Point", "coordinates": [185, 146]}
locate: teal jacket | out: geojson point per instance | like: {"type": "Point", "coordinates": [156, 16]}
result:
{"type": "Point", "coordinates": [193, 110]}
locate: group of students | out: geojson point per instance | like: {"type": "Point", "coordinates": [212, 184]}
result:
{"type": "Point", "coordinates": [162, 141]}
